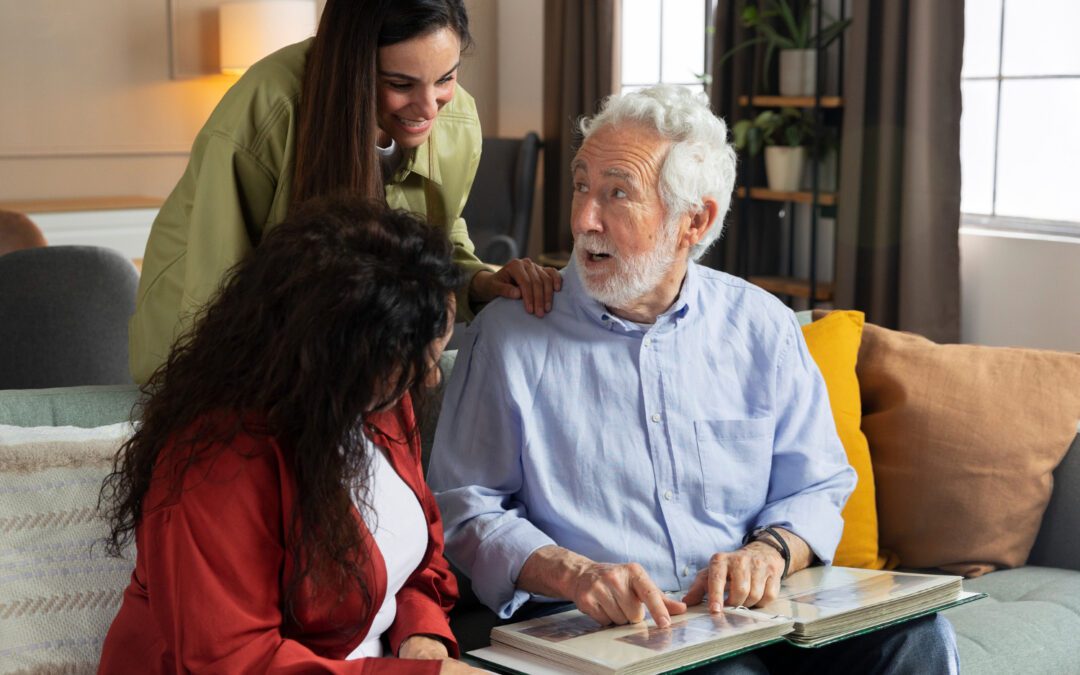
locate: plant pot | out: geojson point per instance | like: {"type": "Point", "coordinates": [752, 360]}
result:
{"type": "Point", "coordinates": [798, 72]}
{"type": "Point", "coordinates": [784, 166]}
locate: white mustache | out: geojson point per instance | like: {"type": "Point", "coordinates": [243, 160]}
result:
{"type": "Point", "coordinates": [594, 243]}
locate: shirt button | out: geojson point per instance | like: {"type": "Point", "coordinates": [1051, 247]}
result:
{"type": "Point", "coordinates": [667, 495]}
{"type": "Point", "coordinates": [686, 571]}
{"type": "Point", "coordinates": [647, 342]}
{"type": "Point", "coordinates": [656, 417]}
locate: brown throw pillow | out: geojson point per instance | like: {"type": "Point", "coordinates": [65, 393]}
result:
{"type": "Point", "coordinates": [963, 440]}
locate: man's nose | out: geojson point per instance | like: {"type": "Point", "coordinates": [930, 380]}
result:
{"type": "Point", "coordinates": [585, 215]}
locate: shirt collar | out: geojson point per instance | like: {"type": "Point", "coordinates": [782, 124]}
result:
{"type": "Point", "coordinates": [420, 161]}
{"type": "Point", "coordinates": [597, 313]}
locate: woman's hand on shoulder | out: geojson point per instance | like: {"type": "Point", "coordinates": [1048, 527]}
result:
{"type": "Point", "coordinates": [522, 279]}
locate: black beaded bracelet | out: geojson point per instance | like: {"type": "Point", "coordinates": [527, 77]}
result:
{"type": "Point", "coordinates": [781, 546]}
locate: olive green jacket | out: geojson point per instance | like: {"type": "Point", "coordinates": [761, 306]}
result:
{"type": "Point", "coordinates": [237, 185]}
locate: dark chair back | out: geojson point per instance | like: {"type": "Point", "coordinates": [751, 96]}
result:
{"type": "Point", "coordinates": [64, 314]}
{"type": "Point", "coordinates": [500, 204]}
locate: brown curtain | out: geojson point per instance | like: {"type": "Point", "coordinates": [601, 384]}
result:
{"type": "Point", "coordinates": [898, 219]}
{"type": "Point", "coordinates": [580, 43]}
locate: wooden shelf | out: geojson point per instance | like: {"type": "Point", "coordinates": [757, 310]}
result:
{"type": "Point", "coordinates": [790, 101]}
{"type": "Point", "coordinates": [82, 204]}
{"type": "Point", "coordinates": [764, 194]}
{"type": "Point", "coordinates": [799, 288]}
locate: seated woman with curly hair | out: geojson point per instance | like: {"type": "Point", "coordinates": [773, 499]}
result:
{"type": "Point", "coordinates": [273, 487]}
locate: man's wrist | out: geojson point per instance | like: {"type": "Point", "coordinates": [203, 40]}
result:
{"type": "Point", "coordinates": [552, 571]}
{"type": "Point", "coordinates": [769, 536]}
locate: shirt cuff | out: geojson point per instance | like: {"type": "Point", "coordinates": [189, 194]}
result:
{"type": "Point", "coordinates": [813, 518]}
{"type": "Point", "coordinates": [498, 563]}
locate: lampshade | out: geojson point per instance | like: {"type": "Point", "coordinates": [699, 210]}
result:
{"type": "Point", "coordinates": [253, 29]}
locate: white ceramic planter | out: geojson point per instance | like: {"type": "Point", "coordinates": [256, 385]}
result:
{"type": "Point", "coordinates": [784, 167]}
{"type": "Point", "coordinates": [798, 72]}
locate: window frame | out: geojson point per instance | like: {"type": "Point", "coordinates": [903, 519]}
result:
{"type": "Point", "coordinates": [994, 222]}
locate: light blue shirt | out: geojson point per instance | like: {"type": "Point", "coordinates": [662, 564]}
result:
{"type": "Point", "coordinates": [659, 444]}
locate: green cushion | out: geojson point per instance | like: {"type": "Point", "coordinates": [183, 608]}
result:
{"type": "Point", "coordinates": [1029, 622]}
{"type": "Point", "coordinates": [67, 406]}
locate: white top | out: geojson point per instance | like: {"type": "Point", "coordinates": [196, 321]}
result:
{"type": "Point", "coordinates": [401, 535]}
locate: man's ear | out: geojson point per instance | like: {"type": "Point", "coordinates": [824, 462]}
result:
{"type": "Point", "coordinates": [700, 222]}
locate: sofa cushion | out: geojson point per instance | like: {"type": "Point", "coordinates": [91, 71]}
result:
{"type": "Point", "coordinates": [1029, 623]}
{"type": "Point", "coordinates": [833, 342]}
{"type": "Point", "coordinates": [59, 591]}
{"type": "Point", "coordinates": [90, 406]}
{"type": "Point", "coordinates": [964, 440]}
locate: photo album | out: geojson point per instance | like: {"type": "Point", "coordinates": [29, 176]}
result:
{"type": "Point", "coordinates": [816, 606]}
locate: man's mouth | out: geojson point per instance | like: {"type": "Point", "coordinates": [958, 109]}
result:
{"type": "Point", "coordinates": [597, 257]}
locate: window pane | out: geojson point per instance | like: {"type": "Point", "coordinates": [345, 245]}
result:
{"type": "Point", "coordinates": [977, 146]}
{"type": "Point", "coordinates": [1040, 37]}
{"type": "Point", "coordinates": [1039, 138]}
{"type": "Point", "coordinates": [684, 40]}
{"type": "Point", "coordinates": [982, 37]}
{"type": "Point", "coordinates": [640, 41]}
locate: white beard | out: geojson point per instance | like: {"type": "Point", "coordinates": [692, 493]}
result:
{"type": "Point", "coordinates": [634, 276]}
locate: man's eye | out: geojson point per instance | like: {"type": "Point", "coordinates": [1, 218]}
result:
{"type": "Point", "coordinates": [618, 194]}
{"type": "Point", "coordinates": [581, 187]}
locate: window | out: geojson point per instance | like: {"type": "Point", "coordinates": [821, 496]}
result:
{"type": "Point", "coordinates": [1019, 132]}
{"type": "Point", "coordinates": [664, 41]}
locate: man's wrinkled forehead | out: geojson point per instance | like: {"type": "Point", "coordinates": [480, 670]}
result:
{"type": "Point", "coordinates": [631, 152]}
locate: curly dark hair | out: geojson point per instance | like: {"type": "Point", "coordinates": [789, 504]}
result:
{"type": "Point", "coordinates": [332, 318]}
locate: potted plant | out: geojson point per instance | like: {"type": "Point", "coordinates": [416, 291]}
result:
{"type": "Point", "coordinates": [783, 135]}
{"type": "Point", "coordinates": [786, 25]}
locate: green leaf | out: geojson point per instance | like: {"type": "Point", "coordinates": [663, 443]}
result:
{"type": "Point", "coordinates": [793, 136]}
{"type": "Point", "coordinates": [738, 132]}
{"type": "Point", "coordinates": [787, 16]}
{"type": "Point", "coordinates": [775, 39]}
{"type": "Point", "coordinates": [756, 140]}
{"type": "Point", "coordinates": [739, 47]}
{"type": "Point", "coordinates": [830, 33]}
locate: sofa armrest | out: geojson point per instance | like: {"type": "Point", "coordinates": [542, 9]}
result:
{"type": "Point", "coordinates": [1057, 544]}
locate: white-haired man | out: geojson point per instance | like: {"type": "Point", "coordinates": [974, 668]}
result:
{"type": "Point", "coordinates": [664, 428]}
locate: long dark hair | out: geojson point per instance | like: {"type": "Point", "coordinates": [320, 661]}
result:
{"type": "Point", "coordinates": [337, 129]}
{"type": "Point", "coordinates": [332, 317]}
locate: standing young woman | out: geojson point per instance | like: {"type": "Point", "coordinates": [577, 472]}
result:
{"type": "Point", "coordinates": [274, 488]}
{"type": "Point", "coordinates": [370, 106]}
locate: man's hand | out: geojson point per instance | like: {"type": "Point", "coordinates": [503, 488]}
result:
{"type": "Point", "coordinates": [607, 593]}
{"type": "Point", "coordinates": [750, 575]}
{"type": "Point", "coordinates": [620, 593]}
{"type": "Point", "coordinates": [520, 278]}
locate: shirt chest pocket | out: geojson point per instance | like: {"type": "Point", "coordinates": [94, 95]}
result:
{"type": "Point", "coordinates": [736, 461]}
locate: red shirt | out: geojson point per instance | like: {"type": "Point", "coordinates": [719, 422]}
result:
{"type": "Point", "coordinates": [211, 568]}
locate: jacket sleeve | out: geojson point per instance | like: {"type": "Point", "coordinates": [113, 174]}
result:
{"type": "Point", "coordinates": [210, 222]}
{"type": "Point", "coordinates": [430, 592]}
{"type": "Point", "coordinates": [212, 565]}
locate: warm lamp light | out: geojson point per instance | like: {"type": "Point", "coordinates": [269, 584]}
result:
{"type": "Point", "coordinates": [253, 29]}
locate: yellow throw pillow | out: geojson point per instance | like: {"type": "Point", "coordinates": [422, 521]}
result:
{"type": "Point", "coordinates": [834, 343]}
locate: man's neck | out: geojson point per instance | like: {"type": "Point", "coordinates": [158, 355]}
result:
{"type": "Point", "coordinates": [650, 306]}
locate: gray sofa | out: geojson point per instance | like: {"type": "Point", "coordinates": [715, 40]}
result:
{"type": "Point", "coordinates": [55, 622]}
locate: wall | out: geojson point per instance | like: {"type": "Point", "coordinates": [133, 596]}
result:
{"type": "Point", "coordinates": [94, 110]}
{"type": "Point", "coordinates": [1021, 292]}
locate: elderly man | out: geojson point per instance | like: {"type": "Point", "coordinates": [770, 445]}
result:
{"type": "Point", "coordinates": [664, 428]}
